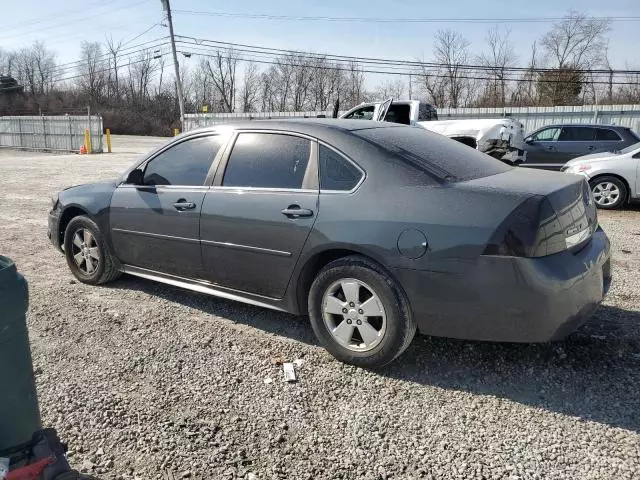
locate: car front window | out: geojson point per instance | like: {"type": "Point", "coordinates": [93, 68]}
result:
{"type": "Point", "coordinates": [546, 135]}
{"type": "Point", "coordinates": [186, 163]}
{"type": "Point", "coordinates": [364, 113]}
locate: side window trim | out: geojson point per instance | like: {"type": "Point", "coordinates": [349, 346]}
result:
{"type": "Point", "coordinates": [363, 173]}
{"type": "Point", "coordinates": [208, 179]}
{"type": "Point", "coordinates": [224, 160]}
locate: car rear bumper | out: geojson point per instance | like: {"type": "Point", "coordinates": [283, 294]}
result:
{"type": "Point", "coordinates": [511, 299]}
{"type": "Point", "coordinates": [53, 228]}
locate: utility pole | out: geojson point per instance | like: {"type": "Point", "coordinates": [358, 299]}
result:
{"type": "Point", "coordinates": [610, 85]}
{"type": "Point", "coordinates": [167, 7]}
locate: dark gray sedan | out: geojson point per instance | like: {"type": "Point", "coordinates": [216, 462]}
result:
{"type": "Point", "coordinates": [552, 146]}
{"type": "Point", "coordinates": [374, 230]}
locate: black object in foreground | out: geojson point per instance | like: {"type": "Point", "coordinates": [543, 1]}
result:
{"type": "Point", "coordinates": [19, 412]}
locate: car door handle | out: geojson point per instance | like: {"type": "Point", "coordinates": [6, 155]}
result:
{"type": "Point", "coordinates": [182, 205]}
{"type": "Point", "coordinates": [550, 147]}
{"type": "Point", "coordinates": [591, 147]}
{"type": "Point", "coordinates": [294, 211]}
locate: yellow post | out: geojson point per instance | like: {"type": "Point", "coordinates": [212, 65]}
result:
{"type": "Point", "coordinates": [87, 141]}
{"type": "Point", "coordinates": [108, 140]}
{"type": "Point", "coordinates": [176, 132]}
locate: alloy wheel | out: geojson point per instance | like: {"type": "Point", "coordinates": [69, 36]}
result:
{"type": "Point", "coordinates": [85, 251]}
{"type": "Point", "coordinates": [354, 315]}
{"type": "Point", "coordinates": [606, 193]}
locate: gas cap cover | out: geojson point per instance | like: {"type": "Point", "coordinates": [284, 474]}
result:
{"type": "Point", "coordinates": [412, 243]}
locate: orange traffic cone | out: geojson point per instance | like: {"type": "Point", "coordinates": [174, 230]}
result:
{"type": "Point", "coordinates": [83, 150]}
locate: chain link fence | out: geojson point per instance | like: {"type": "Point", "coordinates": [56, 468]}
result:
{"type": "Point", "coordinates": [63, 133]}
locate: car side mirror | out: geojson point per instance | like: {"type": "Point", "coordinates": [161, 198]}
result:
{"type": "Point", "coordinates": [528, 140]}
{"type": "Point", "coordinates": [135, 177]}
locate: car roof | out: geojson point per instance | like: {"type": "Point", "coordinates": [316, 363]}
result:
{"type": "Point", "coordinates": [309, 126]}
{"type": "Point", "coordinates": [591, 125]}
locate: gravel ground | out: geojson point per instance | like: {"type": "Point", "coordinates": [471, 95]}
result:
{"type": "Point", "coordinates": [148, 381]}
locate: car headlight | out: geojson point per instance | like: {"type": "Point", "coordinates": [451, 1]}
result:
{"type": "Point", "coordinates": [578, 168]}
{"type": "Point", "coordinates": [54, 201]}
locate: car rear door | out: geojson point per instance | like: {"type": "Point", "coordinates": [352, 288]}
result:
{"type": "Point", "coordinates": [608, 140]}
{"type": "Point", "coordinates": [155, 225]}
{"type": "Point", "coordinates": [576, 141]}
{"type": "Point", "coordinates": [258, 214]}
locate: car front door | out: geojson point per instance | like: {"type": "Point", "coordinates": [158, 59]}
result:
{"type": "Point", "coordinates": [258, 214]}
{"type": "Point", "coordinates": [576, 141]}
{"type": "Point", "coordinates": [155, 223]}
{"type": "Point", "coordinates": [542, 149]}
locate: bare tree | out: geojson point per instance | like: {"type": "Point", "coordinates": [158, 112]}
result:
{"type": "Point", "coordinates": [267, 90]}
{"type": "Point", "coordinates": [391, 89]}
{"type": "Point", "coordinates": [26, 70]}
{"type": "Point", "coordinates": [114, 82]}
{"type": "Point", "coordinates": [250, 88]}
{"type": "Point", "coordinates": [353, 86]}
{"type": "Point", "coordinates": [525, 94]}
{"type": "Point", "coordinates": [451, 50]}
{"type": "Point", "coordinates": [433, 84]}
{"type": "Point", "coordinates": [161, 64]}
{"type": "Point", "coordinates": [92, 72]}
{"type": "Point", "coordinates": [222, 71]}
{"type": "Point", "coordinates": [578, 41]}
{"type": "Point", "coordinates": [500, 56]}
{"type": "Point", "coordinates": [141, 72]}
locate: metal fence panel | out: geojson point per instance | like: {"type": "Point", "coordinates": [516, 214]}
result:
{"type": "Point", "coordinates": [63, 133]}
{"type": "Point", "coordinates": [196, 120]}
{"type": "Point", "coordinates": [531, 117]}
{"type": "Point", "coordinates": [535, 117]}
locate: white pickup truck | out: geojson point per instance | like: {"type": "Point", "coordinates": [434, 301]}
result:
{"type": "Point", "coordinates": [502, 138]}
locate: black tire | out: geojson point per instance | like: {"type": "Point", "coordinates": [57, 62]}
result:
{"type": "Point", "coordinates": [622, 188]}
{"type": "Point", "coordinates": [400, 325]}
{"type": "Point", "coordinates": [106, 267]}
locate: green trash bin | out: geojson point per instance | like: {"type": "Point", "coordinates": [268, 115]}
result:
{"type": "Point", "coordinates": [19, 412]}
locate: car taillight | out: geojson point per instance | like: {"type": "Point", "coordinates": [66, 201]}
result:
{"type": "Point", "coordinates": [534, 229]}
{"type": "Point", "coordinates": [531, 230]}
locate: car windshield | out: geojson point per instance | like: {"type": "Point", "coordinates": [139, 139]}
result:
{"type": "Point", "coordinates": [445, 158]}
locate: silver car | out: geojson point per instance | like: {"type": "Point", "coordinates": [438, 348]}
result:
{"type": "Point", "coordinates": [614, 177]}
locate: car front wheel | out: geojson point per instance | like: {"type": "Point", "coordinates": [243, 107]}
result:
{"type": "Point", "coordinates": [608, 192]}
{"type": "Point", "coordinates": [86, 252]}
{"type": "Point", "coordinates": [359, 314]}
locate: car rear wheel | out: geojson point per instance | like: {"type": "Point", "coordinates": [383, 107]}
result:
{"type": "Point", "coordinates": [359, 314]}
{"type": "Point", "coordinates": [608, 192]}
{"type": "Point", "coordinates": [86, 252]}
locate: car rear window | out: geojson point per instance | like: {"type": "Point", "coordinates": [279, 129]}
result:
{"type": "Point", "coordinates": [605, 134]}
{"type": "Point", "coordinates": [447, 159]}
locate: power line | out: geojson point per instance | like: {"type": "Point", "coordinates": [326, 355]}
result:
{"type": "Point", "coordinates": [297, 18]}
{"type": "Point", "coordinates": [156, 43]}
{"type": "Point", "coordinates": [143, 33]}
{"type": "Point", "coordinates": [49, 18]}
{"type": "Point", "coordinates": [108, 69]}
{"type": "Point", "coordinates": [84, 18]}
{"type": "Point", "coordinates": [383, 61]}
{"type": "Point", "coordinates": [402, 73]}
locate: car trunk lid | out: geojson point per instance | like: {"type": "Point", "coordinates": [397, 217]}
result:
{"type": "Point", "coordinates": [557, 212]}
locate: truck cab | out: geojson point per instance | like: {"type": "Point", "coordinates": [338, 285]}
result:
{"type": "Point", "coordinates": [502, 138]}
